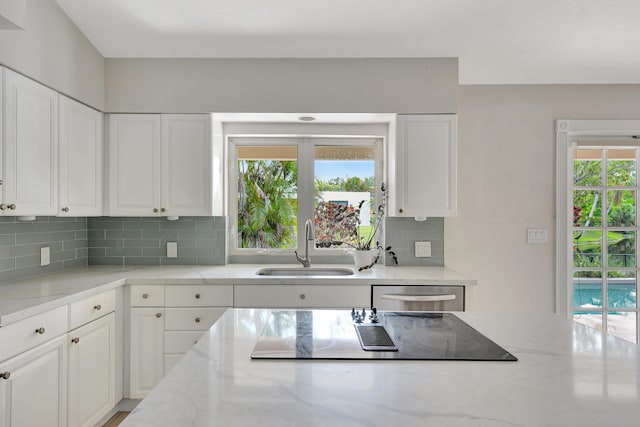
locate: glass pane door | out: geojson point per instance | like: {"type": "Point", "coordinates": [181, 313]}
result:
{"type": "Point", "coordinates": [605, 266]}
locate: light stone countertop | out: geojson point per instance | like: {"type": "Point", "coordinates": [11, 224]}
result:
{"type": "Point", "coordinates": [24, 298]}
{"type": "Point", "coordinates": [567, 375]}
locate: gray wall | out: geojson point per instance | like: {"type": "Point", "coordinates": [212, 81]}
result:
{"type": "Point", "coordinates": [143, 241]}
{"type": "Point", "coordinates": [20, 244]}
{"type": "Point", "coordinates": [392, 85]}
{"type": "Point", "coordinates": [54, 52]}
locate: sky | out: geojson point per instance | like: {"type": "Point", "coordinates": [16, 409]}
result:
{"type": "Point", "coordinates": [327, 169]}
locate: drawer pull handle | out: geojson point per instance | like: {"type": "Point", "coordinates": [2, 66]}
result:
{"type": "Point", "coordinates": [155, 210]}
{"type": "Point", "coordinates": [97, 307]}
{"type": "Point", "coordinates": [197, 296]}
{"type": "Point", "coordinates": [75, 340]}
{"type": "Point", "coordinates": [5, 375]}
{"type": "Point", "coordinates": [145, 296]}
{"type": "Point", "coordinates": [158, 315]}
{"type": "Point", "coordinates": [197, 320]}
{"type": "Point", "coordinates": [65, 209]}
{"type": "Point", "coordinates": [40, 330]}
{"type": "Point", "coordinates": [12, 206]}
{"type": "Point", "coordinates": [303, 296]}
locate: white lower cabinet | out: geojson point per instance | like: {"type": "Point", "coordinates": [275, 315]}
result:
{"type": "Point", "coordinates": [165, 322]}
{"type": "Point", "coordinates": [146, 350]}
{"type": "Point", "coordinates": [302, 296]}
{"type": "Point", "coordinates": [91, 371]}
{"type": "Point", "coordinates": [33, 387]}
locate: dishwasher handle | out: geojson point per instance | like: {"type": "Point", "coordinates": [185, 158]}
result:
{"type": "Point", "coordinates": [418, 298]}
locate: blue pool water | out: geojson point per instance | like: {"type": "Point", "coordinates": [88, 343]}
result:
{"type": "Point", "coordinates": [618, 295]}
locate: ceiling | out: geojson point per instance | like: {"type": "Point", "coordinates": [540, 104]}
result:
{"type": "Point", "coordinates": [496, 41]}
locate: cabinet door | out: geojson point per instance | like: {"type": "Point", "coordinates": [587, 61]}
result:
{"type": "Point", "coordinates": [426, 162]}
{"type": "Point", "coordinates": [80, 190]}
{"type": "Point", "coordinates": [34, 387]}
{"type": "Point", "coordinates": [91, 371]}
{"type": "Point", "coordinates": [146, 350]}
{"type": "Point", "coordinates": [186, 165]}
{"type": "Point", "coordinates": [30, 147]}
{"type": "Point", "coordinates": [134, 165]}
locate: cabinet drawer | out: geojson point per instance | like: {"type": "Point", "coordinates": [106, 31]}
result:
{"type": "Point", "coordinates": [302, 296]}
{"type": "Point", "coordinates": [28, 333]}
{"type": "Point", "coordinates": [191, 319]}
{"type": "Point", "coordinates": [91, 308]}
{"type": "Point", "coordinates": [147, 296]}
{"type": "Point", "coordinates": [199, 295]}
{"type": "Point", "coordinates": [180, 341]}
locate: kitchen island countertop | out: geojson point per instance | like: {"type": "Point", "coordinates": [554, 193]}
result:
{"type": "Point", "coordinates": [567, 375]}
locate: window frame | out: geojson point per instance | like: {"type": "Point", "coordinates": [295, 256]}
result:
{"type": "Point", "coordinates": [305, 144]}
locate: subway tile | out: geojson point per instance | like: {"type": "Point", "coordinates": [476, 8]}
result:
{"type": "Point", "coordinates": [24, 238]}
{"type": "Point", "coordinates": [110, 225]}
{"type": "Point", "coordinates": [53, 246]}
{"type": "Point", "coordinates": [97, 252]}
{"type": "Point", "coordinates": [63, 255]}
{"type": "Point", "coordinates": [16, 227]}
{"type": "Point", "coordinates": [27, 261]}
{"type": "Point", "coordinates": [7, 264]}
{"type": "Point", "coordinates": [123, 252]}
{"type": "Point", "coordinates": [81, 234]}
{"type": "Point", "coordinates": [76, 262]}
{"type": "Point", "coordinates": [141, 243]}
{"type": "Point", "coordinates": [105, 243]}
{"type": "Point", "coordinates": [61, 235]}
{"type": "Point", "coordinates": [209, 261]}
{"type": "Point", "coordinates": [142, 261]}
{"type": "Point", "coordinates": [23, 250]}
{"type": "Point", "coordinates": [73, 244]}
{"type": "Point", "coordinates": [61, 219]}
{"type": "Point", "coordinates": [18, 273]}
{"type": "Point", "coordinates": [7, 239]}
{"type": "Point", "coordinates": [194, 252]}
{"type": "Point", "coordinates": [82, 252]}
{"type": "Point", "coordinates": [169, 235]}
{"type": "Point", "coordinates": [178, 225]}
{"type": "Point", "coordinates": [103, 260]}
{"type": "Point", "coordinates": [144, 225]}
{"type": "Point", "coordinates": [160, 252]}
{"type": "Point", "coordinates": [150, 234]}
{"type": "Point", "coordinates": [47, 226]}
{"type": "Point", "coordinates": [96, 234]}
{"type": "Point", "coordinates": [123, 234]}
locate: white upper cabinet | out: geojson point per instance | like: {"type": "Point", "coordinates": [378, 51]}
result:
{"type": "Point", "coordinates": [186, 164]}
{"type": "Point", "coordinates": [423, 166]}
{"type": "Point", "coordinates": [160, 165]}
{"type": "Point", "coordinates": [134, 165]}
{"type": "Point", "coordinates": [80, 189]}
{"type": "Point", "coordinates": [30, 163]}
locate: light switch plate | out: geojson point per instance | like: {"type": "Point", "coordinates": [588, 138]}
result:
{"type": "Point", "coordinates": [536, 235]}
{"type": "Point", "coordinates": [172, 249]}
{"type": "Point", "coordinates": [45, 257]}
{"type": "Point", "coordinates": [423, 249]}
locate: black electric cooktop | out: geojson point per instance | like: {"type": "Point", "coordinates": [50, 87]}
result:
{"type": "Point", "coordinates": [329, 334]}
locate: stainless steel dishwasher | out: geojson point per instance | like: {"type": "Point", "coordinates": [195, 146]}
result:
{"type": "Point", "coordinates": [417, 298]}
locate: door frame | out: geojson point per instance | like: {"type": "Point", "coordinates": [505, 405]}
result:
{"type": "Point", "coordinates": [567, 131]}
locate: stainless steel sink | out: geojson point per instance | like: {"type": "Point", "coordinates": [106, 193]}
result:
{"type": "Point", "coordinates": [298, 271]}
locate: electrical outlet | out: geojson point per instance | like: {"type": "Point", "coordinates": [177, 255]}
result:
{"type": "Point", "coordinates": [45, 257]}
{"type": "Point", "coordinates": [423, 249]}
{"type": "Point", "coordinates": [172, 249]}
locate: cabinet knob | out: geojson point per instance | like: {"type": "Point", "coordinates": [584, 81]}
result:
{"type": "Point", "coordinates": [163, 210]}
{"type": "Point", "coordinates": [400, 210]}
{"type": "Point", "coordinates": [158, 315]}
{"type": "Point", "coordinates": [155, 210]}
{"type": "Point", "coordinates": [97, 307]}
{"type": "Point", "coordinates": [303, 296]}
{"type": "Point", "coordinates": [5, 375]}
{"type": "Point", "coordinates": [197, 320]}
{"type": "Point", "coordinates": [40, 330]}
{"type": "Point", "coordinates": [145, 296]}
{"type": "Point", "coordinates": [197, 296]}
{"type": "Point", "coordinates": [3, 206]}
{"type": "Point", "coordinates": [12, 206]}
{"type": "Point", "coordinates": [65, 209]}
{"type": "Point", "coordinates": [75, 340]}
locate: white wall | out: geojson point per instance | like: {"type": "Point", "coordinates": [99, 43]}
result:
{"type": "Point", "coordinates": [506, 183]}
{"type": "Point", "coordinates": [426, 85]}
{"type": "Point", "coordinates": [54, 52]}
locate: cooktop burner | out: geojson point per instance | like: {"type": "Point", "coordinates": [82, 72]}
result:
{"type": "Point", "coordinates": [329, 334]}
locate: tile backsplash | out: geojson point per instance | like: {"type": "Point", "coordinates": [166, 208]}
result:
{"type": "Point", "coordinates": [20, 244]}
{"type": "Point", "coordinates": [143, 241]}
{"type": "Point", "coordinates": [401, 234]}
{"type": "Point", "coordinates": [126, 241]}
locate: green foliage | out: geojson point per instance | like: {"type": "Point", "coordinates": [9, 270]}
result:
{"type": "Point", "coordinates": [267, 204]}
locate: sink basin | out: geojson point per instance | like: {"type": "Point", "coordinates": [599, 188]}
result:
{"type": "Point", "coordinates": [299, 271]}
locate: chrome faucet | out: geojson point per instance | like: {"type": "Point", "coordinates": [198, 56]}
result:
{"type": "Point", "coordinates": [308, 235]}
